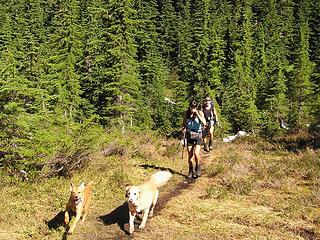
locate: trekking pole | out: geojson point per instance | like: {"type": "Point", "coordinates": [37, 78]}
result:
{"type": "Point", "coordinates": [178, 145]}
{"type": "Point", "coordinates": [177, 150]}
{"type": "Point", "coordinates": [184, 143]}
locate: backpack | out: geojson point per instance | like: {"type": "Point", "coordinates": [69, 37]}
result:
{"type": "Point", "coordinates": [211, 117]}
{"type": "Point", "coordinates": [194, 128]}
{"type": "Point", "coordinates": [193, 124]}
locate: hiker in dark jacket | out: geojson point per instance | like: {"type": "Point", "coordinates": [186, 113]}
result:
{"type": "Point", "coordinates": [192, 128]}
{"type": "Point", "coordinates": [211, 117]}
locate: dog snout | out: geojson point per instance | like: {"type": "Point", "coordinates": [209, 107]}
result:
{"type": "Point", "coordinates": [130, 201]}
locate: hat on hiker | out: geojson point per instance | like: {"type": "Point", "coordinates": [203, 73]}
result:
{"type": "Point", "coordinates": [193, 104]}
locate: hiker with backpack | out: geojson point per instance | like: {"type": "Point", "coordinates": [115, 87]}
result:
{"type": "Point", "coordinates": [211, 118]}
{"type": "Point", "coordinates": [193, 123]}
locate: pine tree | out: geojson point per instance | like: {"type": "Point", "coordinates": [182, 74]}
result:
{"type": "Point", "coordinates": [30, 28]}
{"type": "Point", "coordinates": [91, 15]}
{"type": "Point", "coordinates": [260, 65]}
{"type": "Point", "coordinates": [117, 81]}
{"type": "Point", "coordinates": [274, 87]}
{"type": "Point", "coordinates": [314, 24]}
{"type": "Point", "coordinates": [19, 93]}
{"type": "Point", "coordinates": [62, 79]}
{"type": "Point", "coordinates": [152, 69]}
{"type": "Point", "coordinates": [16, 97]}
{"type": "Point", "coordinates": [301, 87]}
{"type": "Point", "coordinates": [217, 46]}
{"type": "Point", "coordinates": [199, 82]}
{"type": "Point", "coordinates": [184, 69]}
{"type": "Point", "coordinates": [240, 95]}
{"type": "Point", "coordinates": [6, 30]}
{"type": "Point", "coordinates": [166, 22]}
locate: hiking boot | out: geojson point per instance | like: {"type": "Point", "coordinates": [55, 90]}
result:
{"type": "Point", "coordinates": [198, 170]}
{"type": "Point", "coordinates": [210, 145]}
{"type": "Point", "coordinates": [205, 147]}
{"type": "Point", "coordinates": [191, 173]}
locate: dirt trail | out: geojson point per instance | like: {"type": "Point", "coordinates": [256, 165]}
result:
{"type": "Point", "coordinates": [179, 187]}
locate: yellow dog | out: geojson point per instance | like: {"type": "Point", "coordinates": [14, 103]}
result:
{"type": "Point", "coordinates": [143, 198]}
{"type": "Point", "coordinates": [78, 202]}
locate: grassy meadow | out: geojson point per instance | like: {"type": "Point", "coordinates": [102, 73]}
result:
{"type": "Point", "coordinates": [250, 189]}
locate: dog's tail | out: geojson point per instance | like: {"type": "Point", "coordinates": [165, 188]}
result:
{"type": "Point", "coordinates": [160, 178]}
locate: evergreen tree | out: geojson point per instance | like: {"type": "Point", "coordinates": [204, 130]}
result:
{"type": "Point", "coordinates": [301, 86]}
{"type": "Point", "coordinates": [91, 15]}
{"type": "Point", "coordinates": [117, 81]}
{"type": "Point", "coordinates": [166, 22]}
{"type": "Point", "coordinates": [30, 28]}
{"type": "Point", "coordinates": [152, 69]}
{"type": "Point", "coordinates": [6, 31]}
{"type": "Point", "coordinates": [184, 69]}
{"type": "Point", "coordinates": [15, 96]}
{"type": "Point", "coordinates": [314, 46]}
{"type": "Point", "coordinates": [199, 81]}
{"type": "Point", "coordinates": [19, 93]}
{"type": "Point", "coordinates": [261, 66]}
{"type": "Point", "coordinates": [240, 95]}
{"type": "Point", "coordinates": [62, 79]}
{"type": "Point", "coordinates": [217, 47]}
{"type": "Point", "coordinates": [274, 102]}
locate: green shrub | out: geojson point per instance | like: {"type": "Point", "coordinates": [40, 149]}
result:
{"type": "Point", "coordinates": [47, 143]}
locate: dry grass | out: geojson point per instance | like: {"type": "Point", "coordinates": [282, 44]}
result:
{"type": "Point", "coordinates": [249, 190]}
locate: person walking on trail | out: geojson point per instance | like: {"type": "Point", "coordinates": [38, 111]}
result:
{"type": "Point", "coordinates": [192, 128]}
{"type": "Point", "coordinates": [211, 117]}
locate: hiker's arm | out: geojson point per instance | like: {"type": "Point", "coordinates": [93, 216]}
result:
{"type": "Point", "coordinates": [216, 116]}
{"type": "Point", "coordinates": [201, 117]}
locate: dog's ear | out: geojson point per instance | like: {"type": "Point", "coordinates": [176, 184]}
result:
{"type": "Point", "coordinates": [71, 186]}
{"type": "Point", "coordinates": [127, 191]}
{"type": "Point", "coordinates": [81, 187]}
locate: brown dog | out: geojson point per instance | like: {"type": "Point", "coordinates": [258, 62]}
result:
{"type": "Point", "coordinates": [78, 202]}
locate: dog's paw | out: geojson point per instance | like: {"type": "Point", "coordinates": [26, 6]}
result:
{"type": "Point", "coordinates": [141, 226]}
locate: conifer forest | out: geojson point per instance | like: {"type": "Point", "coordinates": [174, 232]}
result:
{"type": "Point", "coordinates": [70, 69]}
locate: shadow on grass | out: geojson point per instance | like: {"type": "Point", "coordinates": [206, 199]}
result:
{"type": "Point", "coordinates": [56, 222]}
{"type": "Point", "coordinates": [145, 166]}
{"type": "Point", "coordinates": [308, 234]}
{"type": "Point", "coordinates": [119, 216]}
{"type": "Point", "coordinates": [176, 191]}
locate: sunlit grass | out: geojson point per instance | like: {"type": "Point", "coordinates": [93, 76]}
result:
{"type": "Point", "coordinates": [249, 190]}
